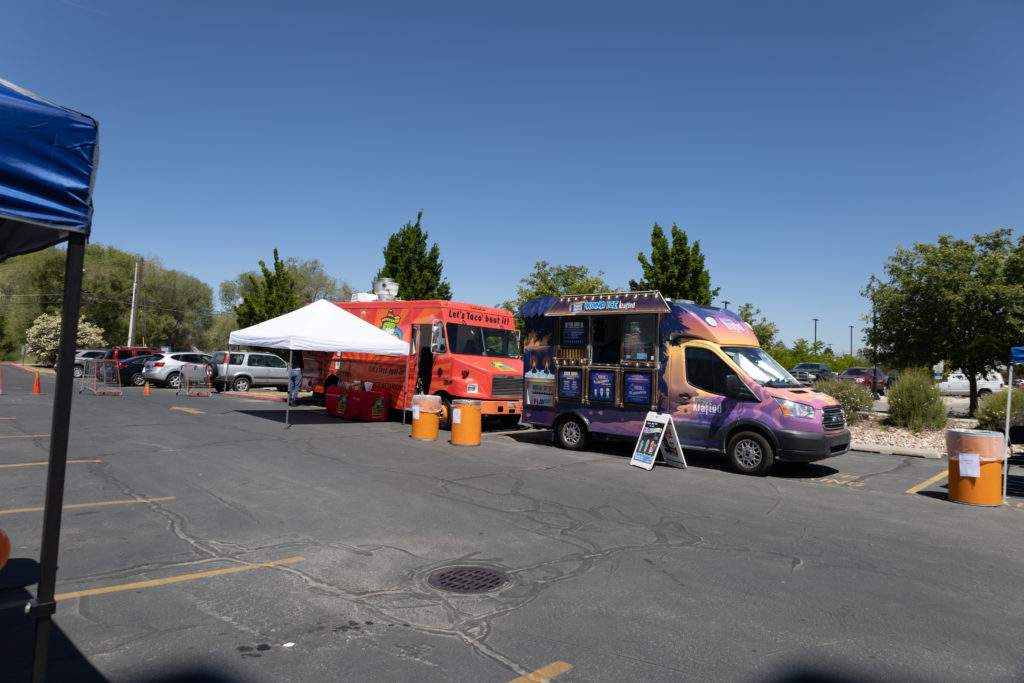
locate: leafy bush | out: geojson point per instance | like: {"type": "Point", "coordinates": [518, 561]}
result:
{"type": "Point", "coordinates": [43, 337]}
{"type": "Point", "coordinates": [915, 403]}
{"type": "Point", "coordinates": [992, 411]}
{"type": "Point", "coordinates": [853, 397]}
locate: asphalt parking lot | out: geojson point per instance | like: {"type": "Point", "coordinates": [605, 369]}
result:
{"type": "Point", "coordinates": [202, 538]}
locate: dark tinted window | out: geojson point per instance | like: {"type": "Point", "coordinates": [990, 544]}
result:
{"type": "Point", "coordinates": [856, 371]}
{"type": "Point", "coordinates": [273, 362]}
{"type": "Point", "coordinates": [606, 342]}
{"type": "Point", "coordinates": [705, 370]}
{"type": "Point", "coordinates": [236, 359]}
{"type": "Point", "coordinates": [257, 361]}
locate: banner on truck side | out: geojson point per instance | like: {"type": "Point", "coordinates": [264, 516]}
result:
{"type": "Point", "coordinates": [658, 435]}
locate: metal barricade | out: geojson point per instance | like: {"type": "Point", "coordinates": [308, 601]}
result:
{"type": "Point", "coordinates": [195, 380]}
{"type": "Point", "coordinates": [101, 378]}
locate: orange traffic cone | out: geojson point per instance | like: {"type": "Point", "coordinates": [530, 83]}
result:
{"type": "Point", "coordinates": [145, 389]}
{"type": "Point", "coordinates": [36, 387]}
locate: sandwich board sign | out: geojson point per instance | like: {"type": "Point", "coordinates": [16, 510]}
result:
{"type": "Point", "coordinates": [658, 435]}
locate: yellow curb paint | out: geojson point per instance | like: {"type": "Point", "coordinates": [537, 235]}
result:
{"type": "Point", "coordinates": [544, 674]}
{"type": "Point", "coordinates": [190, 411]}
{"type": "Point", "coordinates": [27, 436]}
{"type": "Point", "coordinates": [180, 578]}
{"type": "Point", "coordinates": [97, 504]}
{"type": "Point", "coordinates": [44, 462]}
{"type": "Point", "coordinates": [928, 482]}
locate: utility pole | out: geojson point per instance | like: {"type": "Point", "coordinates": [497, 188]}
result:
{"type": "Point", "coordinates": [135, 301]}
{"type": "Point", "coordinates": [815, 331]}
{"type": "Point", "coordinates": [851, 340]}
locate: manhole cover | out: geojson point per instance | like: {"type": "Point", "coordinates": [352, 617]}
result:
{"type": "Point", "coordinates": [467, 579]}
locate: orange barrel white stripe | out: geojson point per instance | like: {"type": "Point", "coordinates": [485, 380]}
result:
{"type": "Point", "coordinates": [426, 414]}
{"type": "Point", "coordinates": [465, 422]}
{"type": "Point", "coordinates": [976, 460]}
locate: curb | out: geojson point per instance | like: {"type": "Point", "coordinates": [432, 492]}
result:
{"type": "Point", "coordinates": [25, 368]}
{"type": "Point", "coordinates": [254, 396]}
{"type": "Point", "coordinates": [908, 452]}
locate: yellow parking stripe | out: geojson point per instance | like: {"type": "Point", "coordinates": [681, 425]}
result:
{"type": "Point", "coordinates": [180, 578]}
{"type": "Point", "coordinates": [44, 462]}
{"type": "Point", "coordinates": [190, 411]}
{"type": "Point", "coordinates": [928, 482]}
{"type": "Point", "coordinates": [97, 504]}
{"type": "Point", "coordinates": [544, 674]}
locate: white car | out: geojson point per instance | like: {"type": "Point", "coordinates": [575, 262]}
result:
{"type": "Point", "coordinates": [957, 385]}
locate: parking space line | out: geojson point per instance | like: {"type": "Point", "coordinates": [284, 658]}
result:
{"type": "Point", "coordinates": [180, 578]}
{"type": "Point", "coordinates": [544, 674]}
{"type": "Point", "coordinates": [928, 482]}
{"type": "Point", "coordinates": [8, 418]}
{"type": "Point", "coordinates": [26, 436]}
{"type": "Point", "coordinates": [190, 411]}
{"type": "Point", "coordinates": [44, 462]}
{"type": "Point", "coordinates": [97, 504]}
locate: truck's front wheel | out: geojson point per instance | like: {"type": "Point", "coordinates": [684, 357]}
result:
{"type": "Point", "coordinates": [750, 453]}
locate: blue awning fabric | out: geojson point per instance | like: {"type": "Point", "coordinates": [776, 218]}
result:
{"type": "Point", "coordinates": [1017, 354]}
{"type": "Point", "coordinates": [48, 158]}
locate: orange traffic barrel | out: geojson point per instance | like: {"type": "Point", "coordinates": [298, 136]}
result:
{"type": "Point", "coordinates": [465, 422]}
{"type": "Point", "coordinates": [976, 460]}
{"type": "Point", "coordinates": [426, 417]}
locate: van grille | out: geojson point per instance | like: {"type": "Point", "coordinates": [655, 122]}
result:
{"type": "Point", "coordinates": [505, 386]}
{"type": "Point", "coordinates": [833, 418]}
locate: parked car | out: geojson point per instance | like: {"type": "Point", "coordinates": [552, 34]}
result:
{"type": "Point", "coordinates": [165, 369]}
{"type": "Point", "coordinates": [809, 373]}
{"type": "Point", "coordinates": [248, 369]}
{"type": "Point", "coordinates": [957, 384]}
{"type": "Point", "coordinates": [126, 352]}
{"type": "Point", "coordinates": [129, 370]}
{"type": "Point", "coordinates": [81, 355]}
{"type": "Point", "coordinates": [873, 378]}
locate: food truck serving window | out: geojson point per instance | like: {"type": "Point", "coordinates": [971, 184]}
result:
{"type": "Point", "coordinates": [472, 340]}
{"type": "Point", "coordinates": [638, 336]}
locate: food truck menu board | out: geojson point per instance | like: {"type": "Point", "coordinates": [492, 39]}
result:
{"type": "Point", "coordinates": [658, 435]}
{"type": "Point", "coordinates": [601, 385]}
{"type": "Point", "coordinates": [636, 388]}
{"type": "Point", "coordinates": [573, 333]}
{"type": "Point", "coordinates": [570, 384]}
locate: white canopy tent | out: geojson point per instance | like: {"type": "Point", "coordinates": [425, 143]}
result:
{"type": "Point", "coordinates": [320, 326]}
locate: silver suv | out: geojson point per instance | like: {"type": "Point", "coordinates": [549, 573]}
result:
{"type": "Point", "coordinates": [247, 369]}
{"type": "Point", "coordinates": [82, 355]}
{"type": "Point", "coordinates": [166, 369]}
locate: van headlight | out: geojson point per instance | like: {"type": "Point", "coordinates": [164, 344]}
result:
{"type": "Point", "coordinates": [794, 409]}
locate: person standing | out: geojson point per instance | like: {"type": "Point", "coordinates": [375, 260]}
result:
{"type": "Point", "coordinates": [295, 378]}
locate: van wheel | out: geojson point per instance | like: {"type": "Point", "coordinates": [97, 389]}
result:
{"type": "Point", "coordinates": [750, 453]}
{"type": "Point", "coordinates": [571, 434]}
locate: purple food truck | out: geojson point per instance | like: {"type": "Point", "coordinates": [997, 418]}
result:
{"type": "Point", "coordinates": [597, 363]}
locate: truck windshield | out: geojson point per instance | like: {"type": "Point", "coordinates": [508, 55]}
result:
{"type": "Point", "coordinates": [471, 340]}
{"type": "Point", "coordinates": [761, 367]}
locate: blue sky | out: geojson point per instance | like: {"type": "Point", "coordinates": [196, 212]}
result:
{"type": "Point", "coordinates": [800, 142]}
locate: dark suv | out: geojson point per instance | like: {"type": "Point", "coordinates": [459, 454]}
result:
{"type": "Point", "coordinates": [809, 373]}
{"type": "Point", "coordinates": [874, 378]}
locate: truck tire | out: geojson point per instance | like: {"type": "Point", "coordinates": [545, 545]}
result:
{"type": "Point", "coordinates": [445, 419]}
{"type": "Point", "coordinates": [750, 453]}
{"type": "Point", "coordinates": [241, 384]}
{"type": "Point", "coordinates": [571, 433]}
{"type": "Point", "coordinates": [78, 371]}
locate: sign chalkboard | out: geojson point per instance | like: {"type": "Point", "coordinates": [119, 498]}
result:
{"type": "Point", "coordinates": [601, 386]}
{"type": "Point", "coordinates": [570, 384]}
{"type": "Point", "coordinates": [658, 435]}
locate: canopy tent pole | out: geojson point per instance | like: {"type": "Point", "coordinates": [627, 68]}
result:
{"type": "Point", "coordinates": [1009, 448]}
{"type": "Point", "coordinates": [43, 606]}
{"type": "Point", "coordinates": [288, 403]}
{"type": "Point", "coordinates": [408, 360]}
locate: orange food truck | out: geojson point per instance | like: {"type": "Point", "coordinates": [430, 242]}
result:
{"type": "Point", "coordinates": [458, 351]}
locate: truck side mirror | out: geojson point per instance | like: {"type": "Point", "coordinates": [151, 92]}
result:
{"type": "Point", "coordinates": [437, 343]}
{"type": "Point", "coordinates": [734, 388]}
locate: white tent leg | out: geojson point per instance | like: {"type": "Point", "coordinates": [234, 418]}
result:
{"type": "Point", "coordinates": [1009, 452]}
{"type": "Point", "coordinates": [288, 403]}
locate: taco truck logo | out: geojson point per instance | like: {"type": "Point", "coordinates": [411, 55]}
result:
{"type": "Point", "coordinates": [501, 365]}
{"type": "Point", "coordinates": [389, 323]}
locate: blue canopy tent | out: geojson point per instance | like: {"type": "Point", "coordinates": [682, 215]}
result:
{"type": "Point", "coordinates": [1016, 358]}
{"type": "Point", "coordinates": [48, 158]}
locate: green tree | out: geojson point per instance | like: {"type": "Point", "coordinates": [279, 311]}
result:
{"type": "Point", "coordinates": [416, 269]}
{"type": "Point", "coordinates": [43, 337]}
{"type": "Point", "coordinates": [675, 268]}
{"type": "Point", "coordinates": [268, 296]}
{"type": "Point", "coordinates": [764, 329]}
{"type": "Point", "coordinates": [548, 280]}
{"type": "Point", "coordinates": [956, 300]}
{"type": "Point", "coordinates": [312, 282]}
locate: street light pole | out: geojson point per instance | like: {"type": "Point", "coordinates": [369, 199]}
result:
{"type": "Point", "coordinates": [815, 331]}
{"type": "Point", "coordinates": [851, 340]}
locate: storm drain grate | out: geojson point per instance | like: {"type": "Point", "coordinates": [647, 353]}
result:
{"type": "Point", "coordinates": [467, 579]}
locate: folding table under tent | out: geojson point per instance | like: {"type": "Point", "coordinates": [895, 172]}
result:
{"type": "Point", "coordinates": [320, 326]}
{"type": "Point", "coordinates": [48, 158]}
